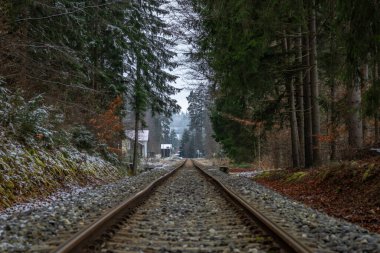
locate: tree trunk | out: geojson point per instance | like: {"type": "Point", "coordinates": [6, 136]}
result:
{"type": "Point", "coordinates": [333, 117]}
{"type": "Point", "coordinates": [333, 124]}
{"type": "Point", "coordinates": [136, 142]}
{"type": "Point", "coordinates": [299, 105]}
{"type": "Point", "coordinates": [25, 66]}
{"type": "Point", "coordinates": [94, 67]}
{"type": "Point", "coordinates": [364, 74]}
{"type": "Point", "coordinates": [355, 127]}
{"type": "Point", "coordinates": [314, 85]}
{"type": "Point", "coordinates": [376, 116]}
{"type": "Point", "coordinates": [308, 132]}
{"type": "Point", "coordinates": [210, 143]}
{"type": "Point", "coordinates": [289, 79]}
{"type": "Point", "coordinates": [293, 125]}
{"type": "Point", "coordinates": [376, 128]}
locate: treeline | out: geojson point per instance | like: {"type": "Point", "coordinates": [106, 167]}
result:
{"type": "Point", "coordinates": [300, 72]}
{"type": "Point", "coordinates": [197, 139]}
{"type": "Point", "coordinates": [90, 57]}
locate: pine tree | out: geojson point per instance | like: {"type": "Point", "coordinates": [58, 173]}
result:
{"type": "Point", "coordinates": [185, 144]}
{"type": "Point", "coordinates": [84, 54]}
{"type": "Point", "coordinates": [151, 56]}
{"type": "Point", "coordinates": [174, 140]}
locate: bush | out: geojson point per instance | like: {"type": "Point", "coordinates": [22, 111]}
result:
{"type": "Point", "coordinates": [27, 120]}
{"type": "Point", "coordinates": [83, 139]}
{"type": "Point", "coordinates": [109, 156]}
{"type": "Point", "coordinates": [31, 122]}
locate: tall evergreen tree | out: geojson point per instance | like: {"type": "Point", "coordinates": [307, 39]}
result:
{"type": "Point", "coordinates": [174, 140]}
{"type": "Point", "coordinates": [149, 59]}
{"type": "Point", "coordinates": [84, 54]}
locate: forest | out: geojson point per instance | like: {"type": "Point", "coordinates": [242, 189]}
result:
{"type": "Point", "coordinates": [70, 73]}
{"type": "Point", "coordinates": [283, 117]}
{"type": "Point", "coordinates": [295, 83]}
{"type": "Point", "coordinates": [294, 86]}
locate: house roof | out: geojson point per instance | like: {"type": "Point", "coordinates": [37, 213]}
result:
{"type": "Point", "coordinates": [143, 135]}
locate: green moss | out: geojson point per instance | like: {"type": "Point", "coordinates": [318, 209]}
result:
{"type": "Point", "coordinates": [369, 173]}
{"type": "Point", "coordinates": [264, 175]}
{"type": "Point", "coordinates": [36, 172]}
{"type": "Point", "coordinates": [31, 151]}
{"type": "Point", "coordinates": [259, 239]}
{"type": "Point", "coordinates": [39, 162]}
{"type": "Point", "coordinates": [5, 203]}
{"type": "Point", "coordinates": [9, 184]}
{"type": "Point", "coordinates": [295, 177]}
{"type": "Point", "coordinates": [3, 164]}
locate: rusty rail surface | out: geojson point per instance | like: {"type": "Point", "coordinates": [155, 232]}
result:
{"type": "Point", "coordinates": [81, 240]}
{"type": "Point", "coordinates": [287, 241]}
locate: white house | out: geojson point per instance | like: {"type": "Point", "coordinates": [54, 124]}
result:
{"type": "Point", "coordinates": [143, 138]}
{"type": "Point", "coordinates": [166, 150]}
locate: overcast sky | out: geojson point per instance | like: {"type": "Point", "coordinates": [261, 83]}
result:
{"type": "Point", "coordinates": [180, 71]}
{"type": "Point", "coordinates": [181, 82]}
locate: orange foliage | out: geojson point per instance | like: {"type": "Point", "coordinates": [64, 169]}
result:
{"type": "Point", "coordinates": [326, 138]}
{"type": "Point", "coordinates": [108, 125]}
{"type": "Point", "coordinates": [117, 151]}
{"type": "Point", "coordinates": [39, 136]}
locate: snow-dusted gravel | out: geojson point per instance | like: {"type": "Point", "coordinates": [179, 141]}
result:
{"type": "Point", "coordinates": [327, 234]}
{"type": "Point", "coordinates": [39, 226]}
{"type": "Point", "coordinates": [188, 214]}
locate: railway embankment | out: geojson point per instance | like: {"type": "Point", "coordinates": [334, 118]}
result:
{"type": "Point", "coordinates": [28, 227]}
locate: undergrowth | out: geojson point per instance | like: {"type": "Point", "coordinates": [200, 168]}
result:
{"type": "Point", "coordinates": [345, 176]}
{"type": "Point", "coordinates": [37, 157]}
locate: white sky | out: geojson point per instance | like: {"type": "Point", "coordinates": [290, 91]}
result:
{"type": "Point", "coordinates": [181, 81]}
{"type": "Point", "coordinates": [180, 71]}
{"type": "Point", "coordinates": [181, 98]}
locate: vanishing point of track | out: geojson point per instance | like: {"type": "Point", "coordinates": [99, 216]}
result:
{"type": "Point", "coordinates": [186, 210]}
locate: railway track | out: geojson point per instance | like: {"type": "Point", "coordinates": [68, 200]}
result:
{"type": "Point", "coordinates": [184, 211]}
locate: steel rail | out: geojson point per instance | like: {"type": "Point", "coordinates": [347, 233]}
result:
{"type": "Point", "coordinates": [85, 237]}
{"type": "Point", "coordinates": [287, 241]}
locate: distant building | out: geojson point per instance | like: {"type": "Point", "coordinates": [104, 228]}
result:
{"type": "Point", "coordinates": [127, 144]}
{"type": "Point", "coordinates": [166, 150]}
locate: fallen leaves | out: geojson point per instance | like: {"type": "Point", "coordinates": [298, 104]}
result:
{"type": "Point", "coordinates": [342, 194]}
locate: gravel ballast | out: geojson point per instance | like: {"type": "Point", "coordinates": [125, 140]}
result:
{"type": "Point", "coordinates": [327, 234]}
{"type": "Point", "coordinates": [188, 214]}
{"type": "Point", "coordinates": [41, 225]}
